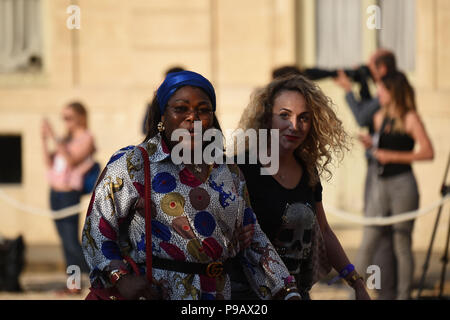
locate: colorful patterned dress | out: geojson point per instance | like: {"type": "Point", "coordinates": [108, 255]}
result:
{"type": "Point", "coordinates": [191, 221]}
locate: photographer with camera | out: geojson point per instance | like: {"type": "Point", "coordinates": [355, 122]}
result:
{"type": "Point", "coordinates": [358, 75]}
{"type": "Point", "coordinates": [381, 63]}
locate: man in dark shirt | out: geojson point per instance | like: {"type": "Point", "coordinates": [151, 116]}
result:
{"type": "Point", "coordinates": [381, 63]}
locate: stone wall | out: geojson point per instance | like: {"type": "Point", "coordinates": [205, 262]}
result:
{"type": "Point", "coordinates": [119, 56]}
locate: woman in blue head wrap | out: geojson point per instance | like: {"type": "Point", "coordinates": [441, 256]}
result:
{"type": "Point", "coordinates": [173, 106]}
{"type": "Point", "coordinates": [197, 212]}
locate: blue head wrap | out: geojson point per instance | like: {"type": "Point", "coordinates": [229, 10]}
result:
{"type": "Point", "coordinates": [176, 80]}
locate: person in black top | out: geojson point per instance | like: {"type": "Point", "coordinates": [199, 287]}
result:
{"type": "Point", "coordinates": [288, 204]}
{"type": "Point", "coordinates": [398, 128]}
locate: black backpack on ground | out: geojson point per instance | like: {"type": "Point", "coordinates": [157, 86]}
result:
{"type": "Point", "coordinates": [12, 261]}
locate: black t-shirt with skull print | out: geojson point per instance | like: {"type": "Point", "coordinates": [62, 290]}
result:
{"type": "Point", "coordinates": [270, 200]}
{"type": "Point", "coordinates": [287, 216]}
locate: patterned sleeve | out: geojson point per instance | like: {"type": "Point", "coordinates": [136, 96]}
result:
{"type": "Point", "coordinates": [110, 204]}
{"type": "Point", "coordinates": [263, 267]}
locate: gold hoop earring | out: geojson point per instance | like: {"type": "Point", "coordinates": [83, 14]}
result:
{"type": "Point", "coordinates": [160, 126]}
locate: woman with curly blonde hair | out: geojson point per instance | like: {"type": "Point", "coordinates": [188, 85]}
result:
{"type": "Point", "coordinates": [288, 204]}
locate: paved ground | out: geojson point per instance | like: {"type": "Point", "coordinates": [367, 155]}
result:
{"type": "Point", "coordinates": [46, 286]}
{"type": "Point", "coordinates": [43, 279]}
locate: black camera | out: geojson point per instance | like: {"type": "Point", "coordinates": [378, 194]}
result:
{"type": "Point", "coordinates": [359, 75]}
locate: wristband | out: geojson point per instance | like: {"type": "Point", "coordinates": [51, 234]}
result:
{"type": "Point", "coordinates": [292, 294]}
{"type": "Point", "coordinates": [343, 274]}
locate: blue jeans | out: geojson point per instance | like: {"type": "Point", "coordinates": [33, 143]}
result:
{"type": "Point", "coordinates": [68, 228]}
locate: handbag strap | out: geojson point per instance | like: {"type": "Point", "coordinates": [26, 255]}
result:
{"type": "Point", "coordinates": [148, 215]}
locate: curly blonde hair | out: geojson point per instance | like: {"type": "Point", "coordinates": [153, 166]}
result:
{"type": "Point", "coordinates": [326, 136]}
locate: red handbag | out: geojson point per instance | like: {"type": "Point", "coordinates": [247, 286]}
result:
{"type": "Point", "coordinates": [112, 293]}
